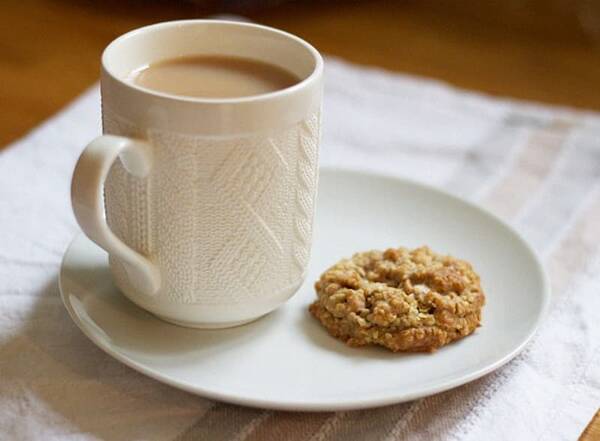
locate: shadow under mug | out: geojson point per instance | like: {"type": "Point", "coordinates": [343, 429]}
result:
{"type": "Point", "coordinates": [205, 206]}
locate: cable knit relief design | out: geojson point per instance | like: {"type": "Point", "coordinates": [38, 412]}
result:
{"type": "Point", "coordinates": [306, 185]}
{"type": "Point", "coordinates": [225, 220]}
{"type": "Point", "coordinates": [132, 227]}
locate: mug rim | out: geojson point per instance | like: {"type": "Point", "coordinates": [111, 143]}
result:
{"type": "Point", "coordinates": [313, 76]}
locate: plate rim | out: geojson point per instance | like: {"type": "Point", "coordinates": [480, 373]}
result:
{"type": "Point", "coordinates": [316, 406]}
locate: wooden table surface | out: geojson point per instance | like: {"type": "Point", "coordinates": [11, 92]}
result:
{"type": "Point", "coordinates": [542, 50]}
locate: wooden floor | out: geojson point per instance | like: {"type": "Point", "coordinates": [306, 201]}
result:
{"type": "Point", "coordinates": [531, 49]}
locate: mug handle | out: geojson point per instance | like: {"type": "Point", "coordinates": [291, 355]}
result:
{"type": "Point", "coordinates": [87, 200]}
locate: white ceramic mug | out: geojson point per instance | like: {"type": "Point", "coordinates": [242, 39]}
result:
{"type": "Point", "coordinates": [208, 204]}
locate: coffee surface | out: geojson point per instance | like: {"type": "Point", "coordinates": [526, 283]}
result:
{"type": "Point", "coordinates": [213, 76]}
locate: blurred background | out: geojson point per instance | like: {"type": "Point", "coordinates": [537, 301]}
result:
{"type": "Point", "coordinates": [541, 50]}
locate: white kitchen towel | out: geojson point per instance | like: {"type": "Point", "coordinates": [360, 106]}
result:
{"type": "Point", "coordinates": [538, 167]}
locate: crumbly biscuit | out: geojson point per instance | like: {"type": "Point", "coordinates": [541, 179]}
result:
{"type": "Point", "coordinates": [406, 300]}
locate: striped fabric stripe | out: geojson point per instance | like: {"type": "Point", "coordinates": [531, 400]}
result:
{"type": "Point", "coordinates": [577, 245]}
{"type": "Point", "coordinates": [222, 422]}
{"type": "Point", "coordinates": [576, 172]}
{"type": "Point", "coordinates": [367, 424]}
{"type": "Point", "coordinates": [251, 427]}
{"type": "Point", "coordinates": [528, 172]}
{"type": "Point", "coordinates": [289, 426]}
{"type": "Point", "coordinates": [485, 159]}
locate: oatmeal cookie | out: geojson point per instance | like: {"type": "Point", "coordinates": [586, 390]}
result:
{"type": "Point", "coordinates": [406, 300]}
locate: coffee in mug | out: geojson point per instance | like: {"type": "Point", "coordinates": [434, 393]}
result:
{"type": "Point", "coordinates": [213, 76]}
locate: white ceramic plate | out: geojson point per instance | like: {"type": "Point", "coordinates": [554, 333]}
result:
{"type": "Point", "coordinates": [286, 360]}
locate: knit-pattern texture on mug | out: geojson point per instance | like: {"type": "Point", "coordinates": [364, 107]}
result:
{"type": "Point", "coordinates": [224, 219]}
